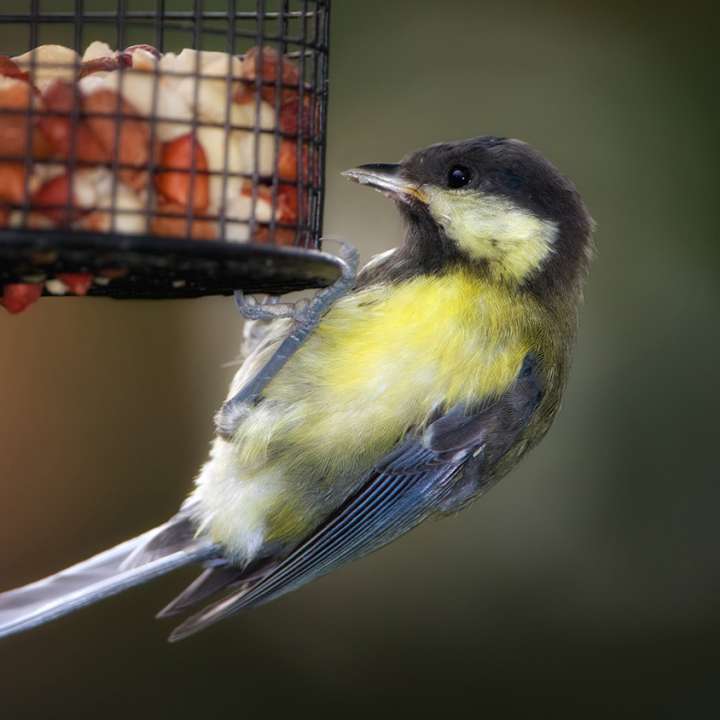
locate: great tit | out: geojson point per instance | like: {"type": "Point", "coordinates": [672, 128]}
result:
{"type": "Point", "coordinates": [417, 391]}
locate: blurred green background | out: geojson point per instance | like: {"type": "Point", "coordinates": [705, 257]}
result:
{"type": "Point", "coordinates": [588, 583]}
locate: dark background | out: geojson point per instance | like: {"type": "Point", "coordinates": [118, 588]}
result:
{"type": "Point", "coordinates": [587, 584]}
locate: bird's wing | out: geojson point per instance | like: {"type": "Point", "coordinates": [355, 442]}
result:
{"type": "Point", "coordinates": [418, 478]}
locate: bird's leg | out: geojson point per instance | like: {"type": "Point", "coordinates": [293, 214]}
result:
{"type": "Point", "coordinates": [306, 318]}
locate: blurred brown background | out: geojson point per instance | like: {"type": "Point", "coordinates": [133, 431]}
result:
{"type": "Point", "coordinates": [588, 583]}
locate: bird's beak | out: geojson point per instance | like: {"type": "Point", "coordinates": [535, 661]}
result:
{"type": "Point", "coordinates": [387, 179]}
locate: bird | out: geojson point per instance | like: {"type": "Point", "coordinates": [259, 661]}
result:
{"type": "Point", "coordinates": [417, 391]}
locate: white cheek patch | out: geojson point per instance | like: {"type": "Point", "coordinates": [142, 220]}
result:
{"type": "Point", "coordinates": [513, 240]}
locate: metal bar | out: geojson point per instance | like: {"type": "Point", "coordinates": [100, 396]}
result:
{"type": "Point", "coordinates": [259, 66]}
{"type": "Point", "coordinates": [159, 22]}
{"type": "Point", "coordinates": [59, 17]}
{"type": "Point", "coordinates": [197, 45]}
{"type": "Point", "coordinates": [301, 140]}
{"type": "Point", "coordinates": [324, 100]}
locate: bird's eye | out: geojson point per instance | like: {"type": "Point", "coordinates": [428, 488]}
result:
{"type": "Point", "coordinates": [458, 177]}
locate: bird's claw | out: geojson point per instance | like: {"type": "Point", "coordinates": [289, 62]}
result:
{"type": "Point", "coordinates": [269, 308]}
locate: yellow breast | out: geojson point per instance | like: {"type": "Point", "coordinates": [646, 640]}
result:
{"type": "Point", "coordinates": [384, 359]}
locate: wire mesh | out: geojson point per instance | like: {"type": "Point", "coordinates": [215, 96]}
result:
{"type": "Point", "coordinates": [163, 148]}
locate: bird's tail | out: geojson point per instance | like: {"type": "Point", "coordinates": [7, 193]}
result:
{"type": "Point", "coordinates": [154, 553]}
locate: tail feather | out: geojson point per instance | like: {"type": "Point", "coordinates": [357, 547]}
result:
{"type": "Point", "coordinates": [131, 563]}
{"type": "Point", "coordinates": [211, 581]}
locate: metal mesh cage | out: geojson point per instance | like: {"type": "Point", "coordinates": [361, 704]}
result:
{"type": "Point", "coordinates": [162, 149]}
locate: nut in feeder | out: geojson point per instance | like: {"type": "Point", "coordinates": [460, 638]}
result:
{"type": "Point", "coordinates": [188, 163]}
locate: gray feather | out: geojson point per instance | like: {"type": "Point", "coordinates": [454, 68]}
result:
{"type": "Point", "coordinates": [99, 577]}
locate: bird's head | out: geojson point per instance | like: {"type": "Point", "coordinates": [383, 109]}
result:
{"type": "Point", "coordinates": [494, 203]}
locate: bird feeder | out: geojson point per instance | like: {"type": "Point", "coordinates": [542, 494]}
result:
{"type": "Point", "coordinates": [162, 149]}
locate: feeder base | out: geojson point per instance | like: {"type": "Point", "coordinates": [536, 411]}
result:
{"type": "Point", "coordinates": [146, 267]}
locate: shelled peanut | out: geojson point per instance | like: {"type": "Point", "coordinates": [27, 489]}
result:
{"type": "Point", "coordinates": [140, 142]}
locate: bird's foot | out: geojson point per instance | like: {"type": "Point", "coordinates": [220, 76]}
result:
{"type": "Point", "coordinates": [268, 307]}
